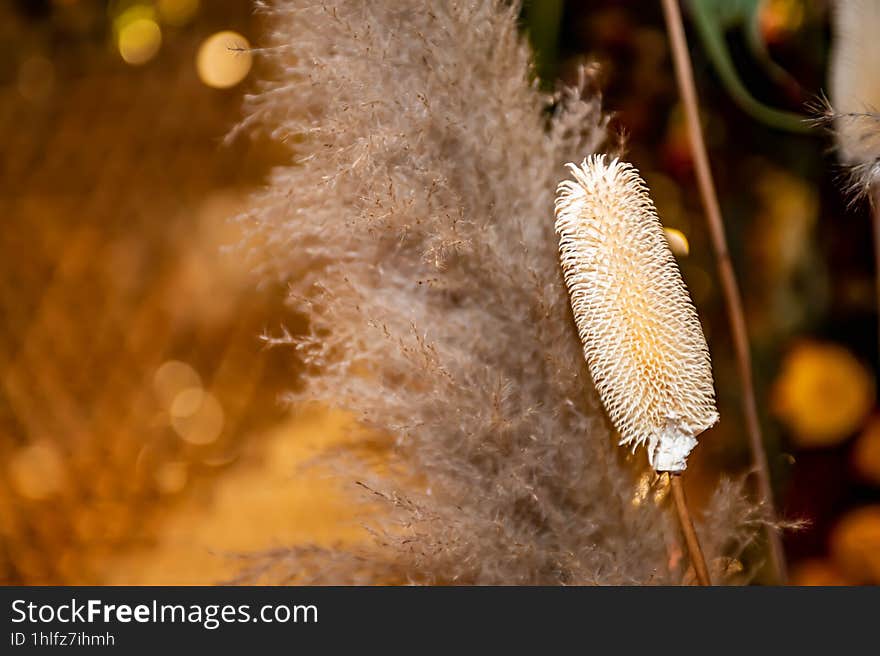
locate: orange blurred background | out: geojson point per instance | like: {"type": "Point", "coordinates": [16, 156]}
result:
{"type": "Point", "coordinates": [141, 437]}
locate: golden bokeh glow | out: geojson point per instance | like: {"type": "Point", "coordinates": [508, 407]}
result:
{"type": "Point", "coordinates": [678, 242]}
{"type": "Point", "coordinates": [224, 59]}
{"type": "Point", "coordinates": [172, 378]}
{"type": "Point", "coordinates": [187, 402]}
{"type": "Point", "coordinates": [779, 17]}
{"type": "Point", "coordinates": [823, 394]}
{"type": "Point", "coordinates": [855, 544]}
{"type": "Point", "coordinates": [139, 40]}
{"type": "Point", "coordinates": [197, 416]}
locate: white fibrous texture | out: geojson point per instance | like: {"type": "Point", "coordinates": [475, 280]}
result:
{"type": "Point", "coordinates": [641, 335]}
{"type": "Point", "coordinates": [855, 87]}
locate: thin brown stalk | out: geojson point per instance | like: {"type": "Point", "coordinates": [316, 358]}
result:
{"type": "Point", "coordinates": [729, 286]}
{"type": "Point", "coordinates": [695, 552]}
{"type": "Point", "coordinates": [875, 219]}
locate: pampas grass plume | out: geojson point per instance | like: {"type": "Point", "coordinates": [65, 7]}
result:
{"type": "Point", "coordinates": [641, 335]}
{"type": "Point", "coordinates": [436, 312]}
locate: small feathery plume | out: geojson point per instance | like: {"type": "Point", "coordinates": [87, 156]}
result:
{"type": "Point", "coordinates": [640, 332]}
{"type": "Point", "coordinates": [854, 81]}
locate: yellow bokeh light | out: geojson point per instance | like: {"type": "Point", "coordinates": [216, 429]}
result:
{"type": "Point", "coordinates": [197, 417]}
{"type": "Point", "coordinates": [823, 394]}
{"type": "Point", "coordinates": [187, 402]}
{"type": "Point", "coordinates": [678, 242]}
{"type": "Point", "coordinates": [177, 12]}
{"type": "Point", "coordinates": [855, 544]}
{"type": "Point", "coordinates": [224, 59]}
{"type": "Point", "coordinates": [172, 378]}
{"type": "Point", "coordinates": [139, 40]}
{"type": "Point", "coordinates": [779, 17]}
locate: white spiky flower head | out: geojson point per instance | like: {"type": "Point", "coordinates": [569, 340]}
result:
{"type": "Point", "coordinates": [641, 335]}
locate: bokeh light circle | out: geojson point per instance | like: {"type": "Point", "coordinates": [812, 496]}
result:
{"type": "Point", "coordinates": [139, 41]}
{"type": "Point", "coordinates": [223, 60]}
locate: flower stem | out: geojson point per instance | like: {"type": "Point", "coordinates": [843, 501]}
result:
{"type": "Point", "coordinates": [729, 287]}
{"type": "Point", "coordinates": [695, 552]}
{"type": "Point", "coordinates": [874, 199]}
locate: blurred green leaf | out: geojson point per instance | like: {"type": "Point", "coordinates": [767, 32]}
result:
{"type": "Point", "coordinates": [712, 19]}
{"type": "Point", "coordinates": [543, 19]}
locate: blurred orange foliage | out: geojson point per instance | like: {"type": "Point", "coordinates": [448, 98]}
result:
{"type": "Point", "coordinates": [823, 394]}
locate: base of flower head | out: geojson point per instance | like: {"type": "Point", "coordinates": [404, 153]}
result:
{"type": "Point", "coordinates": [672, 446]}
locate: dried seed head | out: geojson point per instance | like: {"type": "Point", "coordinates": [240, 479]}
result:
{"type": "Point", "coordinates": [642, 338]}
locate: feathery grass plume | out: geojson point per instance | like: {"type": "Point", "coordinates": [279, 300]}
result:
{"type": "Point", "coordinates": [854, 110]}
{"type": "Point", "coordinates": [412, 228]}
{"type": "Point", "coordinates": [854, 82]}
{"type": "Point", "coordinates": [641, 335]}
